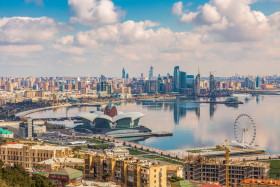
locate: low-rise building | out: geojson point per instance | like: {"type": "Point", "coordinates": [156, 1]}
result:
{"type": "Point", "coordinates": [6, 134]}
{"type": "Point", "coordinates": [53, 164]}
{"type": "Point", "coordinates": [30, 155]}
{"type": "Point", "coordinates": [66, 176]}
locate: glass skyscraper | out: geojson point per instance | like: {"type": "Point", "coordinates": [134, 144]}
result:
{"type": "Point", "coordinates": [176, 79]}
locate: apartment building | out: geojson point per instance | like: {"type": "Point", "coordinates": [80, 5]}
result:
{"type": "Point", "coordinates": [214, 170]}
{"type": "Point", "coordinates": [28, 156]}
{"type": "Point", "coordinates": [125, 170]}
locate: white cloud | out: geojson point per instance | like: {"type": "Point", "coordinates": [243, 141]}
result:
{"type": "Point", "coordinates": [65, 44]}
{"type": "Point", "coordinates": [19, 50]}
{"type": "Point", "coordinates": [229, 20]}
{"type": "Point", "coordinates": [37, 2]}
{"type": "Point", "coordinates": [26, 30]}
{"type": "Point", "coordinates": [177, 8]}
{"type": "Point", "coordinates": [94, 12]}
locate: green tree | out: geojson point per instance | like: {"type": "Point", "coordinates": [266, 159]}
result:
{"type": "Point", "coordinates": [175, 178]}
{"type": "Point", "coordinates": [41, 181]}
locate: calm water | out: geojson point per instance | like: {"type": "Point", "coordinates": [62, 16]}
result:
{"type": "Point", "coordinates": [198, 125]}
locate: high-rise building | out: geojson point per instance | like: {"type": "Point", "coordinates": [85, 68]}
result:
{"type": "Point", "coordinates": [62, 88]}
{"type": "Point", "coordinates": [176, 79]}
{"type": "Point", "coordinates": [127, 76]}
{"type": "Point", "coordinates": [258, 82]}
{"type": "Point", "coordinates": [104, 86]}
{"type": "Point", "coordinates": [183, 79]}
{"type": "Point", "coordinates": [197, 84]}
{"type": "Point", "coordinates": [152, 86]}
{"type": "Point", "coordinates": [212, 85]}
{"type": "Point", "coordinates": [151, 73]}
{"type": "Point", "coordinates": [123, 73]}
{"type": "Point", "coordinates": [10, 87]}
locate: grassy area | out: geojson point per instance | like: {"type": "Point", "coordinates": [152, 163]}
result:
{"type": "Point", "coordinates": [195, 151]}
{"type": "Point", "coordinates": [135, 152]}
{"type": "Point", "coordinates": [162, 159]}
{"type": "Point", "coordinates": [216, 149]}
{"type": "Point", "coordinates": [274, 172]}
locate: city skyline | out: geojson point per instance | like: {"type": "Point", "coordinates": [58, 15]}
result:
{"type": "Point", "coordinates": [68, 38]}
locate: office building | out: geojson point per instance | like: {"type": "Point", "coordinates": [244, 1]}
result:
{"type": "Point", "coordinates": [104, 87]}
{"type": "Point", "coordinates": [176, 79]}
{"type": "Point", "coordinates": [190, 81]}
{"type": "Point", "coordinates": [123, 73]}
{"type": "Point", "coordinates": [212, 85]}
{"type": "Point", "coordinates": [183, 76]}
{"type": "Point", "coordinates": [152, 86]}
{"type": "Point", "coordinates": [151, 73]}
{"type": "Point", "coordinates": [197, 85]}
{"type": "Point", "coordinates": [26, 129]}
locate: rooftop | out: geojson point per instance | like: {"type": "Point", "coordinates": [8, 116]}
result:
{"type": "Point", "coordinates": [71, 173]}
{"type": "Point", "coordinates": [62, 160]}
{"type": "Point", "coordinates": [267, 182]}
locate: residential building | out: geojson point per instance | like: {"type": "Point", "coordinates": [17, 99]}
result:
{"type": "Point", "coordinates": [29, 156]}
{"type": "Point", "coordinates": [127, 170]}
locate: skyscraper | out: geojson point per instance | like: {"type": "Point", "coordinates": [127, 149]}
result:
{"type": "Point", "coordinates": [212, 85]}
{"type": "Point", "coordinates": [151, 73]}
{"type": "Point", "coordinates": [127, 76]}
{"type": "Point", "coordinates": [183, 79]}
{"type": "Point", "coordinates": [123, 73]}
{"type": "Point", "coordinates": [176, 79]}
{"type": "Point", "coordinates": [258, 82]}
{"type": "Point", "coordinates": [197, 84]}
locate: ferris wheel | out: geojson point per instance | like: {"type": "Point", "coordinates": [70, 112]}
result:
{"type": "Point", "coordinates": [244, 129]}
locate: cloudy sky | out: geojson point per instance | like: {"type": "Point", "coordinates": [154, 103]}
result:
{"type": "Point", "coordinates": [93, 37]}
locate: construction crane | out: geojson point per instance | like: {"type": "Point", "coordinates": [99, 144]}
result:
{"type": "Point", "coordinates": [227, 156]}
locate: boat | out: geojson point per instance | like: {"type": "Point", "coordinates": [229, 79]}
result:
{"type": "Point", "coordinates": [232, 100]}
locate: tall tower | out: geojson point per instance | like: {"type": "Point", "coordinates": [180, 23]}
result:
{"type": "Point", "coordinates": [151, 73]}
{"type": "Point", "coordinates": [176, 79]}
{"type": "Point", "coordinates": [212, 85]}
{"type": "Point", "coordinates": [127, 76]}
{"type": "Point", "coordinates": [123, 73]}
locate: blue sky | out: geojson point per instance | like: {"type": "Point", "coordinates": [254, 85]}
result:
{"type": "Point", "coordinates": [62, 37]}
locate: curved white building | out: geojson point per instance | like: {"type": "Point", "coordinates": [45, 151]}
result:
{"type": "Point", "coordinates": [111, 119]}
{"type": "Point", "coordinates": [103, 121]}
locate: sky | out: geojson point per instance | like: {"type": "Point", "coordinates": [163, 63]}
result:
{"type": "Point", "coordinates": [94, 37]}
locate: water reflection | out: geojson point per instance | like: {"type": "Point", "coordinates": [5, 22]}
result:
{"type": "Point", "coordinates": [197, 124]}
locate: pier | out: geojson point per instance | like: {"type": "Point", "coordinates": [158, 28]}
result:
{"type": "Point", "coordinates": [147, 134]}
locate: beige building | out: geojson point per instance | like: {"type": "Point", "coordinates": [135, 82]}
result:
{"type": "Point", "coordinates": [126, 170]}
{"type": "Point", "coordinates": [53, 164]}
{"type": "Point", "coordinates": [29, 156]}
